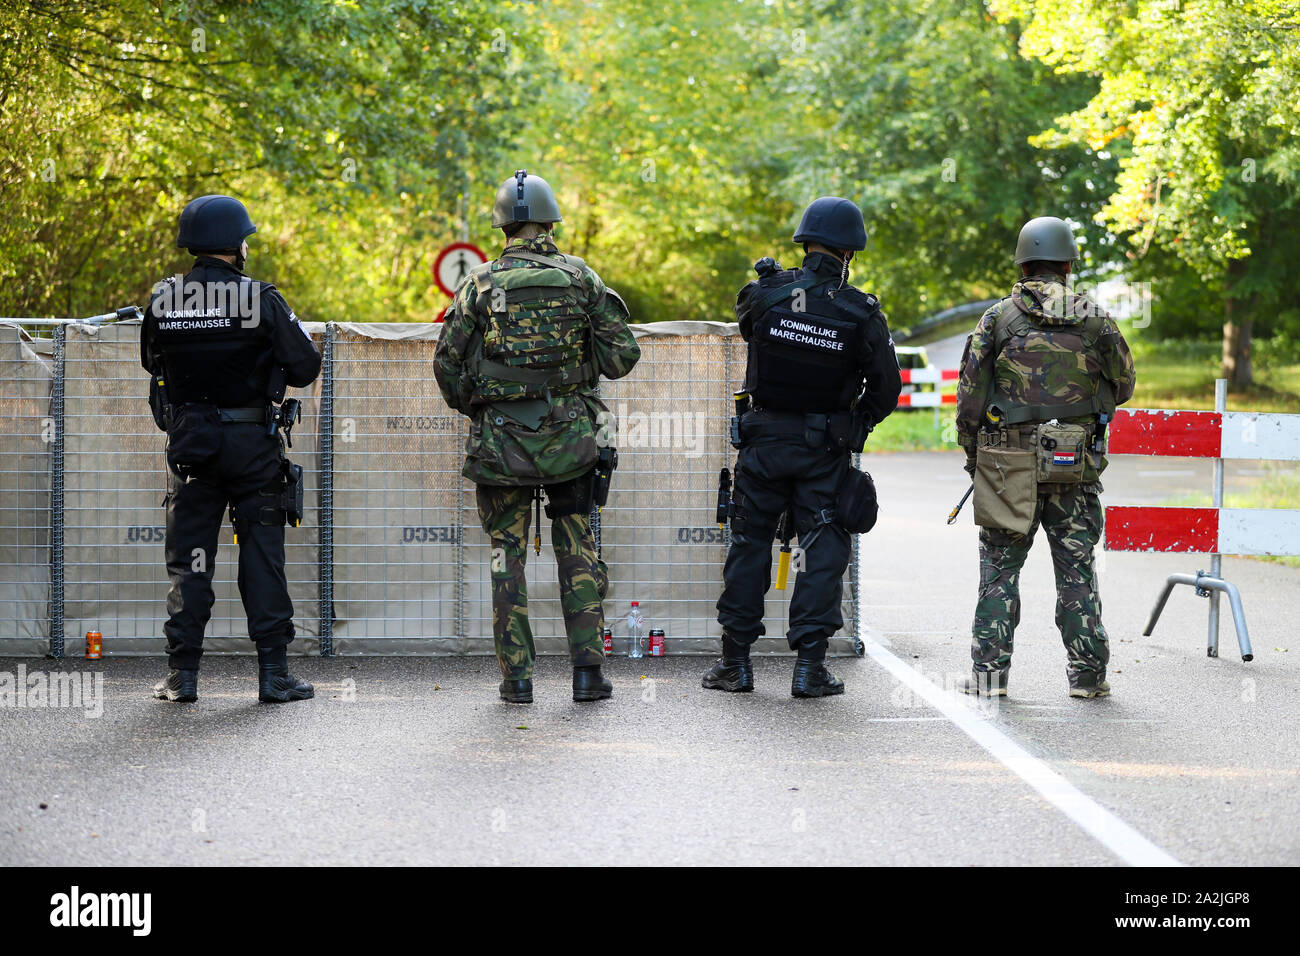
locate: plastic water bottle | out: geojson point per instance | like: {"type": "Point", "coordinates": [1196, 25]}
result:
{"type": "Point", "coordinates": [635, 631]}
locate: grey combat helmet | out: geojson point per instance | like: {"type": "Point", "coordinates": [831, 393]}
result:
{"type": "Point", "coordinates": [1047, 239]}
{"type": "Point", "coordinates": [525, 198]}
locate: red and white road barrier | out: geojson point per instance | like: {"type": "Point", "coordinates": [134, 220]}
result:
{"type": "Point", "coordinates": [925, 400]}
{"type": "Point", "coordinates": [1203, 530]}
{"type": "Point", "coordinates": [1222, 435]}
{"type": "Point", "coordinates": [1249, 435]}
{"type": "Point", "coordinates": [927, 376]}
{"type": "Point", "coordinates": [1216, 530]}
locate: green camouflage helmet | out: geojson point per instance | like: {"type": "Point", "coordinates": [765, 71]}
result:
{"type": "Point", "coordinates": [1047, 239]}
{"type": "Point", "coordinates": [525, 198]}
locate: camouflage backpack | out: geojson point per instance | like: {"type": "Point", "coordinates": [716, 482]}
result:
{"type": "Point", "coordinates": [536, 339]}
{"type": "Point", "coordinates": [1047, 362]}
{"type": "Point", "coordinates": [532, 371]}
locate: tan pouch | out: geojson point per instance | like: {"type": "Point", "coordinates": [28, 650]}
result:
{"type": "Point", "coordinates": [1006, 488]}
{"type": "Point", "coordinates": [1061, 451]}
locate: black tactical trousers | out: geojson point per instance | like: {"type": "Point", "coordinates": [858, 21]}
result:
{"type": "Point", "coordinates": [246, 472]}
{"type": "Point", "coordinates": [769, 476]}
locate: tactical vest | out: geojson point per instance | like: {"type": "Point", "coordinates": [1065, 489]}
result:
{"type": "Point", "coordinates": [537, 335]}
{"type": "Point", "coordinates": [213, 352]}
{"type": "Point", "coordinates": [803, 360]}
{"type": "Point", "coordinates": [1043, 360]}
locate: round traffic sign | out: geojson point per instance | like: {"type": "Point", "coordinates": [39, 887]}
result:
{"type": "Point", "coordinates": [454, 263]}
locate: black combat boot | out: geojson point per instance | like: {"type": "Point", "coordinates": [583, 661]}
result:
{"type": "Point", "coordinates": [181, 686]}
{"type": "Point", "coordinates": [590, 684]}
{"type": "Point", "coordinates": [275, 684]}
{"type": "Point", "coordinates": [733, 672]}
{"type": "Point", "coordinates": [517, 691]}
{"type": "Point", "coordinates": [811, 678]}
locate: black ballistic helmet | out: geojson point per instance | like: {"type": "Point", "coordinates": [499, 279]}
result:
{"type": "Point", "coordinates": [214, 224]}
{"type": "Point", "coordinates": [834, 222]}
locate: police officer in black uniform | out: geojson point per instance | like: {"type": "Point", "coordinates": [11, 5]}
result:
{"type": "Point", "coordinates": [821, 373]}
{"type": "Point", "coordinates": [221, 348]}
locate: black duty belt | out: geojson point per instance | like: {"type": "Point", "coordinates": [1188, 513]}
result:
{"type": "Point", "coordinates": [762, 424]}
{"type": "Point", "coordinates": [243, 415]}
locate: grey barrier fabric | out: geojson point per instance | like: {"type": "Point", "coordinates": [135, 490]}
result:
{"type": "Point", "coordinates": [400, 504]}
{"type": "Point", "coordinates": [114, 514]}
{"type": "Point", "coordinates": [25, 439]}
{"type": "Point", "coordinates": [411, 564]}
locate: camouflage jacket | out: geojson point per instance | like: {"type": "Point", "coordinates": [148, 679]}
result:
{"type": "Point", "coordinates": [521, 354]}
{"type": "Point", "coordinates": [1040, 347]}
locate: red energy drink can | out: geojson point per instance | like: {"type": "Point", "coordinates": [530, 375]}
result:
{"type": "Point", "coordinates": [608, 636]}
{"type": "Point", "coordinates": [94, 645]}
{"type": "Point", "coordinates": [657, 643]}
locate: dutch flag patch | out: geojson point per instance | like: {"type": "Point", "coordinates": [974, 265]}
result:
{"type": "Point", "coordinates": [1063, 458]}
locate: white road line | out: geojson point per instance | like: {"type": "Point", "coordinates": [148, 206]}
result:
{"type": "Point", "coordinates": [1109, 830]}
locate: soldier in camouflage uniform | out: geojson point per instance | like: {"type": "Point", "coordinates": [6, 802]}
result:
{"type": "Point", "coordinates": [522, 348]}
{"type": "Point", "coordinates": [1041, 361]}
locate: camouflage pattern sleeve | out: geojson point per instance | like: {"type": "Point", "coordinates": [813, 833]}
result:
{"type": "Point", "coordinates": [613, 345]}
{"type": "Point", "coordinates": [449, 359]}
{"type": "Point", "coordinates": [1117, 362]}
{"type": "Point", "coordinates": [975, 381]}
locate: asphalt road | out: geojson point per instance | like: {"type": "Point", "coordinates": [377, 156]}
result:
{"type": "Point", "coordinates": [400, 761]}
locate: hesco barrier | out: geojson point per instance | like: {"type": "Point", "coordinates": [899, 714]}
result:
{"type": "Point", "coordinates": [390, 558]}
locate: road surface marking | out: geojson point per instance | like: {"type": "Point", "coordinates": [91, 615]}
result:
{"type": "Point", "coordinates": [1106, 828]}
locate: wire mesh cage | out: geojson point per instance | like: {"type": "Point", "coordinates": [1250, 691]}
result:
{"type": "Point", "coordinates": [390, 558]}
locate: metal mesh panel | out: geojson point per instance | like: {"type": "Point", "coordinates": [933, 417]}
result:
{"type": "Point", "coordinates": [114, 485]}
{"type": "Point", "coordinates": [398, 497]}
{"type": "Point", "coordinates": [410, 564]}
{"type": "Point", "coordinates": [26, 434]}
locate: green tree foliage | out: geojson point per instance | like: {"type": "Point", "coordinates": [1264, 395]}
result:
{"type": "Point", "coordinates": [683, 139]}
{"type": "Point", "coordinates": [921, 112]}
{"type": "Point", "coordinates": [1201, 97]}
{"type": "Point", "coordinates": [686, 137]}
{"type": "Point", "coordinates": [350, 129]}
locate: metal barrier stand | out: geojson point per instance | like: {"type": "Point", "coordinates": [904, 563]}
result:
{"type": "Point", "coordinates": [56, 496]}
{"type": "Point", "coordinates": [325, 442]}
{"type": "Point", "coordinates": [1211, 585]}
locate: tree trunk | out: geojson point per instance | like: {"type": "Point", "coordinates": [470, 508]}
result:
{"type": "Point", "coordinates": [1237, 330]}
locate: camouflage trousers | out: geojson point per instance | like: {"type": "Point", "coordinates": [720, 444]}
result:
{"type": "Point", "coordinates": [506, 515]}
{"type": "Point", "coordinates": [1072, 518]}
